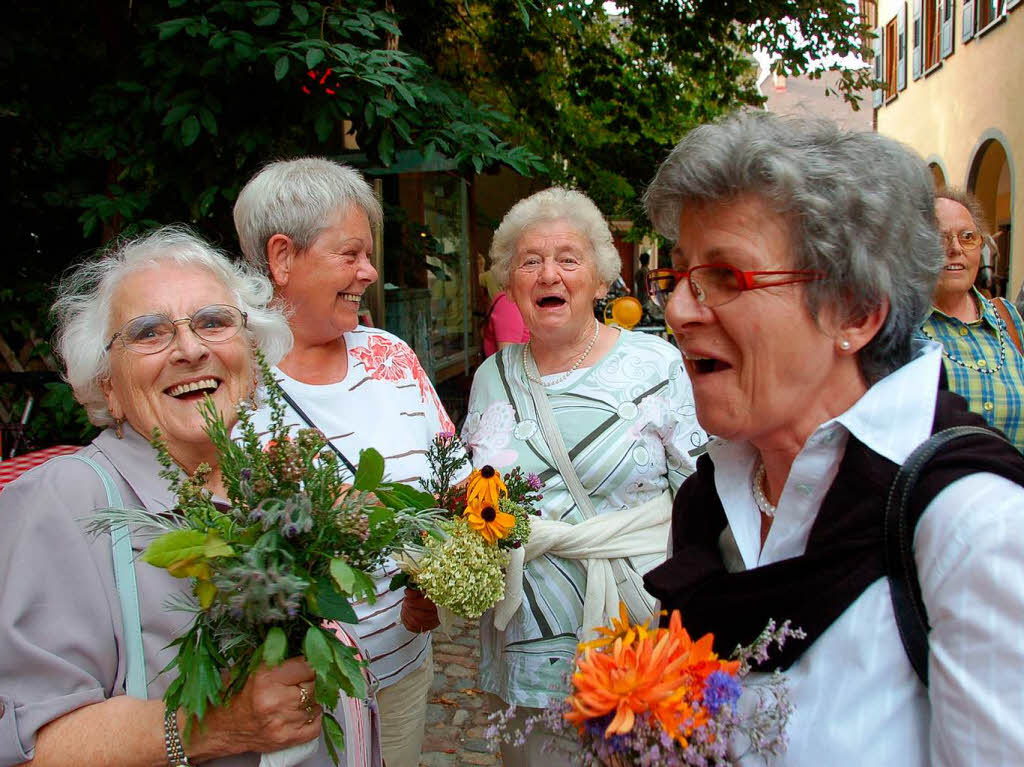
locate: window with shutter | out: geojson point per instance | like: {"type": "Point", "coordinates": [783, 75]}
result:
{"type": "Point", "coordinates": [967, 21]}
{"type": "Point", "coordinates": [918, 39]}
{"type": "Point", "coordinates": [933, 31]}
{"type": "Point", "coordinates": [891, 59]}
{"type": "Point", "coordinates": [947, 27]}
{"type": "Point", "coordinates": [878, 95]}
{"type": "Point", "coordinates": [901, 48]}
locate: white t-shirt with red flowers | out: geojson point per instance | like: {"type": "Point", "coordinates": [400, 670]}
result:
{"type": "Point", "coordinates": [386, 402]}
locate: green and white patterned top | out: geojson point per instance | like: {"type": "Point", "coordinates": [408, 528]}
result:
{"type": "Point", "coordinates": [629, 426]}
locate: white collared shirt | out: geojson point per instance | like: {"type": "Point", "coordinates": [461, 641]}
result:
{"type": "Point", "coordinates": [857, 700]}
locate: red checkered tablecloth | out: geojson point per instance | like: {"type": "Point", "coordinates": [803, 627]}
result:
{"type": "Point", "coordinates": [12, 468]}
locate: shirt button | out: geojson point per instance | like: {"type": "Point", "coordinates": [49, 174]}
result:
{"type": "Point", "coordinates": [988, 406]}
{"type": "Point", "coordinates": [963, 331]}
{"type": "Point", "coordinates": [982, 363]}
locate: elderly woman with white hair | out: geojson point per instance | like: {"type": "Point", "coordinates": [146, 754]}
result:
{"type": "Point", "coordinates": [805, 260]}
{"type": "Point", "coordinates": [605, 418]}
{"type": "Point", "coordinates": [308, 224]}
{"type": "Point", "coordinates": [145, 332]}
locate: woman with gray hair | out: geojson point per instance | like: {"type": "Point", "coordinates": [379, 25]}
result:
{"type": "Point", "coordinates": [308, 224]}
{"type": "Point", "coordinates": [604, 417]}
{"type": "Point", "coordinates": [804, 262]}
{"type": "Point", "coordinates": [145, 332]}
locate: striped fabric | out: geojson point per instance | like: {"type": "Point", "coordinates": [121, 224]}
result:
{"type": "Point", "coordinates": [13, 468]}
{"type": "Point", "coordinates": [983, 366]}
{"type": "Point", "coordinates": [629, 425]}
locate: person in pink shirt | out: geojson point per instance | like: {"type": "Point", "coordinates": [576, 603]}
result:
{"type": "Point", "coordinates": [504, 325]}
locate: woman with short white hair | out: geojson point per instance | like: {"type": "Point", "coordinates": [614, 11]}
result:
{"type": "Point", "coordinates": [308, 224]}
{"type": "Point", "coordinates": [145, 332]}
{"type": "Point", "coordinates": [604, 417]}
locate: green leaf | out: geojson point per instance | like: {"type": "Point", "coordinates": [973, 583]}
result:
{"type": "Point", "coordinates": [343, 575]}
{"type": "Point", "coordinates": [275, 647]}
{"type": "Point", "coordinates": [335, 737]}
{"type": "Point", "coordinates": [300, 13]}
{"type": "Point", "coordinates": [352, 681]}
{"type": "Point", "coordinates": [323, 125]}
{"type": "Point", "coordinates": [317, 651]}
{"type": "Point", "coordinates": [190, 130]}
{"type": "Point", "coordinates": [215, 546]}
{"type": "Point", "coordinates": [208, 120]}
{"type": "Point", "coordinates": [328, 603]}
{"type": "Point", "coordinates": [407, 496]}
{"type": "Point", "coordinates": [399, 581]}
{"type": "Point", "coordinates": [269, 18]}
{"type": "Point", "coordinates": [313, 57]}
{"type": "Point", "coordinates": [175, 546]}
{"type": "Point", "coordinates": [370, 471]}
{"type": "Point", "coordinates": [281, 67]}
{"type": "Point", "coordinates": [205, 593]}
{"type": "Point", "coordinates": [172, 27]}
{"type": "Point", "coordinates": [176, 114]}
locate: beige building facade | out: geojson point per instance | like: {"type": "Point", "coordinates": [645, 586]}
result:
{"type": "Point", "coordinates": [954, 91]}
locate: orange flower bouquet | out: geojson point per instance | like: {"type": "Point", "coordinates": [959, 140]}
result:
{"type": "Point", "coordinates": [462, 568]}
{"type": "Point", "coordinates": [648, 696]}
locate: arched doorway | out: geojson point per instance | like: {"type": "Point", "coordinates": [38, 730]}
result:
{"type": "Point", "coordinates": [990, 181]}
{"type": "Point", "coordinates": [938, 176]}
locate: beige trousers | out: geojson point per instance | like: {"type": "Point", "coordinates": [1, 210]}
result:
{"type": "Point", "coordinates": [403, 715]}
{"type": "Point", "coordinates": [542, 748]}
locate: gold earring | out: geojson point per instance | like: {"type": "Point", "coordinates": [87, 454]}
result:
{"type": "Point", "coordinates": [118, 424]}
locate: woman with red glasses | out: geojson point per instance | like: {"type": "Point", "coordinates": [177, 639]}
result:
{"type": "Point", "coordinates": [805, 260]}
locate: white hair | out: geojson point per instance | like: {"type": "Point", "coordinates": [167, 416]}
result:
{"type": "Point", "coordinates": [84, 307]}
{"type": "Point", "coordinates": [296, 198]}
{"type": "Point", "coordinates": [555, 204]}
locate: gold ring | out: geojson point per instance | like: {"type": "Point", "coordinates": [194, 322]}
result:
{"type": "Point", "coordinates": [303, 698]}
{"type": "Point", "coordinates": [309, 721]}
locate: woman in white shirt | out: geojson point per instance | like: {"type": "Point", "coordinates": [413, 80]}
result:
{"type": "Point", "coordinates": [805, 260]}
{"type": "Point", "coordinates": [308, 224]}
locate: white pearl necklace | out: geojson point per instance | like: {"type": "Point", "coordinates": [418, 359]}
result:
{"type": "Point", "coordinates": [570, 371]}
{"type": "Point", "coordinates": [757, 486]}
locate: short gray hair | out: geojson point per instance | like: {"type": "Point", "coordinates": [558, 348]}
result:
{"type": "Point", "coordinates": [295, 198]}
{"type": "Point", "coordinates": [84, 306]}
{"type": "Point", "coordinates": [555, 204]}
{"type": "Point", "coordinates": [970, 203]}
{"type": "Point", "coordinates": [860, 208]}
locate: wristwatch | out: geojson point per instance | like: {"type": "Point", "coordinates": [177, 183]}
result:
{"type": "Point", "coordinates": [172, 740]}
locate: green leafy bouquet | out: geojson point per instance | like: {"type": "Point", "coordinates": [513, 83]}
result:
{"type": "Point", "coordinates": [293, 547]}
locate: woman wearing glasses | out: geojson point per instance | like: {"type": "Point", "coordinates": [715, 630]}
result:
{"type": "Point", "coordinates": [980, 337]}
{"type": "Point", "coordinates": [802, 276]}
{"type": "Point", "coordinates": [605, 418]}
{"type": "Point", "coordinates": [145, 332]}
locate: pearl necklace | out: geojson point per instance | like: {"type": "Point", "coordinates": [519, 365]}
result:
{"type": "Point", "coordinates": [570, 371]}
{"type": "Point", "coordinates": [757, 486]}
{"type": "Point", "coordinates": [971, 366]}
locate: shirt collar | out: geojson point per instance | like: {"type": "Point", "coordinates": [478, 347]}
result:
{"type": "Point", "coordinates": [136, 461]}
{"type": "Point", "coordinates": [986, 311]}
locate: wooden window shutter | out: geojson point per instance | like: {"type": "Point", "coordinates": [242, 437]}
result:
{"type": "Point", "coordinates": [967, 27]}
{"type": "Point", "coordinates": [878, 97]}
{"type": "Point", "coordinates": [946, 9]}
{"type": "Point", "coordinates": [901, 48]}
{"type": "Point", "coordinates": [918, 39]}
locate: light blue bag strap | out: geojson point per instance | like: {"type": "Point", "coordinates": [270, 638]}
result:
{"type": "Point", "coordinates": [127, 589]}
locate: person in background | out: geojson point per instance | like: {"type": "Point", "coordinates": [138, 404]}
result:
{"type": "Point", "coordinates": [980, 337]}
{"type": "Point", "coordinates": [640, 278]}
{"type": "Point", "coordinates": [504, 325]}
{"type": "Point", "coordinates": [144, 332]}
{"type": "Point", "coordinates": [620, 405]}
{"type": "Point", "coordinates": [799, 277]}
{"type": "Point", "coordinates": [308, 224]}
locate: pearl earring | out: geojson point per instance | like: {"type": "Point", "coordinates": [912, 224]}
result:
{"type": "Point", "coordinates": [844, 345]}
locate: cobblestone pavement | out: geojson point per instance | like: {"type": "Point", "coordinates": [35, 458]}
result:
{"type": "Point", "coordinates": [456, 713]}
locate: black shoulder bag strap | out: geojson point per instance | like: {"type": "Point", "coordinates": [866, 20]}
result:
{"type": "Point", "coordinates": [302, 414]}
{"type": "Point", "coordinates": [911, 614]}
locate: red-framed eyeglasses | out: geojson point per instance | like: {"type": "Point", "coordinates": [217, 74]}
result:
{"type": "Point", "coordinates": [717, 284]}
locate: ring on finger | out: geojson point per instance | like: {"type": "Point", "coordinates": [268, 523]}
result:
{"type": "Point", "coordinates": [304, 699]}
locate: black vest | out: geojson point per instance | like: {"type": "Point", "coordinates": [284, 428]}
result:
{"type": "Point", "coordinates": [845, 551]}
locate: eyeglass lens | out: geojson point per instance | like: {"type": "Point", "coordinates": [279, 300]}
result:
{"type": "Point", "coordinates": [711, 285]}
{"type": "Point", "coordinates": [153, 332]}
{"type": "Point", "coordinates": [968, 238]}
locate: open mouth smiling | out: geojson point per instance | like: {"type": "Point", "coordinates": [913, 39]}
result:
{"type": "Point", "coordinates": [353, 297]}
{"type": "Point", "coordinates": [954, 267]}
{"type": "Point", "coordinates": [550, 302]}
{"type": "Point", "coordinates": [193, 390]}
{"type": "Point", "coordinates": [702, 365]}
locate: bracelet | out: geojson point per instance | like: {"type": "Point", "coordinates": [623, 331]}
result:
{"type": "Point", "coordinates": [172, 740]}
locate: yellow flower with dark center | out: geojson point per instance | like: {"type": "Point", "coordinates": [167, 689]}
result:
{"type": "Point", "coordinates": [485, 486]}
{"type": "Point", "coordinates": [621, 629]}
{"type": "Point", "coordinates": [488, 520]}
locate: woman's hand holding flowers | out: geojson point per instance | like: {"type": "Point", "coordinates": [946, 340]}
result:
{"type": "Point", "coordinates": [419, 614]}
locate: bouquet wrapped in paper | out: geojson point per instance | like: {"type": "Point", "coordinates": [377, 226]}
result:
{"type": "Point", "coordinates": [655, 697]}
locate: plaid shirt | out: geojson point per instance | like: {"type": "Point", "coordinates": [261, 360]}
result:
{"type": "Point", "coordinates": [994, 384]}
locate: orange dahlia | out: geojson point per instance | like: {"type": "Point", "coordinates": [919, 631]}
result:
{"type": "Point", "coordinates": [485, 485]}
{"type": "Point", "coordinates": [488, 520]}
{"type": "Point", "coordinates": [621, 629]}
